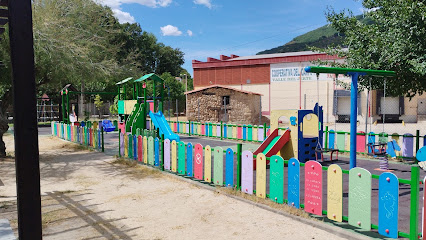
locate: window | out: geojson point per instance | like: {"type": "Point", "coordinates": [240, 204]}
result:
{"type": "Point", "coordinates": [225, 100]}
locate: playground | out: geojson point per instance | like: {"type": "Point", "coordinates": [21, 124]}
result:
{"type": "Point", "coordinates": [87, 194]}
{"type": "Point", "coordinates": [294, 162]}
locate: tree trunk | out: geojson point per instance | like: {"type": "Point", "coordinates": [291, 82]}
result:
{"type": "Point", "coordinates": [3, 129]}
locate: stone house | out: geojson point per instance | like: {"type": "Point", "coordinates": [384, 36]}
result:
{"type": "Point", "coordinates": [221, 103]}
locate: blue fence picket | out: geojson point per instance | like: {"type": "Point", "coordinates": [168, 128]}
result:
{"type": "Point", "coordinates": [331, 137]}
{"type": "Point", "coordinates": [225, 133]}
{"type": "Point", "coordinates": [244, 132]}
{"type": "Point", "coordinates": [135, 147]}
{"type": "Point", "coordinates": [157, 152]}
{"type": "Point", "coordinates": [189, 160]}
{"type": "Point", "coordinates": [294, 182]}
{"type": "Point", "coordinates": [388, 205]}
{"type": "Point", "coordinates": [371, 139]}
{"type": "Point", "coordinates": [229, 168]}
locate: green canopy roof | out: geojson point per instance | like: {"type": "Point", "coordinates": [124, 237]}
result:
{"type": "Point", "coordinates": [368, 72]}
{"type": "Point", "coordinates": [124, 81]}
{"type": "Point", "coordinates": [151, 76]}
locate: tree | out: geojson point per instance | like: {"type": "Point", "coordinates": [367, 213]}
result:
{"type": "Point", "coordinates": [99, 104]}
{"type": "Point", "coordinates": [189, 79]}
{"type": "Point", "coordinates": [393, 40]}
{"type": "Point", "coordinates": [174, 88]}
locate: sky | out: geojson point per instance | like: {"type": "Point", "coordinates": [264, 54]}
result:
{"type": "Point", "coordinates": [209, 28]}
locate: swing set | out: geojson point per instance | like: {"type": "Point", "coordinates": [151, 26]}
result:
{"type": "Point", "coordinates": [354, 74]}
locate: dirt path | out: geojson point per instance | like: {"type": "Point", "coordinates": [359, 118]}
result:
{"type": "Point", "coordinates": [87, 196]}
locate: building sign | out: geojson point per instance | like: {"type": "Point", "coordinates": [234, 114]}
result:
{"type": "Point", "coordinates": [291, 72]}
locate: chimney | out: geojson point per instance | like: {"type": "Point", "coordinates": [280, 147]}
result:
{"type": "Point", "coordinates": [210, 59]}
{"type": "Point", "coordinates": [234, 56]}
{"type": "Point", "coordinates": [223, 57]}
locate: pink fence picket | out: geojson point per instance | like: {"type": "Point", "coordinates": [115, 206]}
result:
{"type": "Point", "coordinates": [313, 187]}
{"type": "Point", "coordinates": [239, 132]}
{"type": "Point", "coordinates": [203, 129]}
{"type": "Point", "coordinates": [167, 154]}
{"type": "Point", "coordinates": [198, 162]}
{"type": "Point", "coordinates": [140, 159]}
{"type": "Point", "coordinates": [360, 142]}
{"type": "Point", "coordinates": [247, 172]}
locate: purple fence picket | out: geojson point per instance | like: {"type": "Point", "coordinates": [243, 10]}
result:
{"type": "Point", "coordinates": [260, 133]}
{"type": "Point", "coordinates": [166, 154]}
{"type": "Point", "coordinates": [407, 145]}
{"type": "Point", "coordinates": [121, 144]}
{"type": "Point", "coordinates": [247, 172]}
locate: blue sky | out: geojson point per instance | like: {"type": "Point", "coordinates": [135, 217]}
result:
{"type": "Point", "coordinates": [208, 28]}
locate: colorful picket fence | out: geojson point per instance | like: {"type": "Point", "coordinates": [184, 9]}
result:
{"type": "Point", "coordinates": [250, 133]}
{"type": "Point", "coordinates": [341, 140]}
{"type": "Point", "coordinates": [216, 166]}
{"type": "Point", "coordinates": [89, 136]}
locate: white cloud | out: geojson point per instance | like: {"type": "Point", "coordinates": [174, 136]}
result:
{"type": "Point", "coordinates": [206, 3]}
{"type": "Point", "coordinates": [123, 17]}
{"type": "Point", "coordinates": [189, 32]}
{"type": "Point", "coordinates": [366, 10]}
{"type": "Point", "coordinates": [170, 30]}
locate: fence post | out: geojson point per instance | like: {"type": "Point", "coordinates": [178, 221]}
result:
{"type": "Point", "coordinates": [162, 152]}
{"type": "Point", "coordinates": [189, 127]}
{"type": "Point", "coordinates": [417, 144]}
{"type": "Point", "coordinates": [119, 143]}
{"type": "Point", "coordinates": [414, 202]}
{"type": "Point", "coordinates": [264, 131]}
{"type": "Point", "coordinates": [102, 133]}
{"type": "Point", "coordinates": [221, 130]}
{"type": "Point", "coordinates": [326, 137]}
{"type": "Point", "coordinates": [239, 155]}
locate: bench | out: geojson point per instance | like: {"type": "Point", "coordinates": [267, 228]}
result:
{"type": "Point", "coordinates": [326, 150]}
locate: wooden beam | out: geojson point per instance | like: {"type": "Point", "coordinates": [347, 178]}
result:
{"type": "Point", "coordinates": [27, 161]}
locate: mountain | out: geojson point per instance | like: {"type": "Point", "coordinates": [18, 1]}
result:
{"type": "Point", "coordinates": [321, 37]}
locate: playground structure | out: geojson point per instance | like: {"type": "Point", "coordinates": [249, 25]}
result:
{"type": "Point", "coordinates": [302, 137]}
{"type": "Point", "coordinates": [355, 74]}
{"type": "Point", "coordinates": [133, 113]}
{"type": "Point", "coordinates": [68, 111]}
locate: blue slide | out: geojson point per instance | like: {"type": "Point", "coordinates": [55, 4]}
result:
{"type": "Point", "coordinates": [160, 122]}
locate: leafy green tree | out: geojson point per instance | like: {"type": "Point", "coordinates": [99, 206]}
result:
{"type": "Point", "coordinates": [174, 88]}
{"type": "Point", "coordinates": [99, 104]}
{"type": "Point", "coordinates": [393, 40]}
